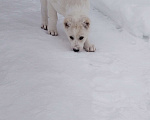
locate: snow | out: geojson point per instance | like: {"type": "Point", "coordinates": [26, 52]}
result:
{"type": "Point", "coordinates": [41, 78]}
{"type": "Point", "coordinates": [132, 15]}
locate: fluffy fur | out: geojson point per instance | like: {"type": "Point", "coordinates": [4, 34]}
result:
{"type": "Point", "coordinates": [76, 22]}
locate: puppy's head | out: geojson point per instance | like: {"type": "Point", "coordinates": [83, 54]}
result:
{"type": "Point", "coordinates": [77, 29]}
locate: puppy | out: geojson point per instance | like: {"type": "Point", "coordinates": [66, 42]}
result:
{"type": "Point", "coordinates": [76, 22]}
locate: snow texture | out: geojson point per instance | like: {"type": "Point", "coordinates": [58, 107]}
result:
{"type": "Point", "coordinates": [42, 79]}
{"type": "Point", "coordinates": [133, 15]}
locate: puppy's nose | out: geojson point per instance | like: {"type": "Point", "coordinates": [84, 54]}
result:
{"type": "Point", "coordinates": [75, 50]}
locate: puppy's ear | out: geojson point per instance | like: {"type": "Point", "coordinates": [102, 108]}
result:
{"type": "Point", "coordinates": [67, 22]}
{"type": "Point", "coordinates": [85, 22]}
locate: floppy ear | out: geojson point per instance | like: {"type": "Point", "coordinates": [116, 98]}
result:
{"type": "Point", "coordinates": [67, 22]}
{"type": "Point", "coordinates": [86, 22]}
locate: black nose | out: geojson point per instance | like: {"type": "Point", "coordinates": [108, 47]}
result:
{"type": "Point", "coordinates": [75, 50]}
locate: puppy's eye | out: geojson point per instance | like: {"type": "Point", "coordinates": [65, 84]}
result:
{"type": "Point", "coordinates": [72, 38]}
{"type": "Point", "coordinates": [81, 38]}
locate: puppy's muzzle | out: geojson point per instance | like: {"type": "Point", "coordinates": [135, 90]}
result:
{"type": "Point", "coordinates": [76, 49]}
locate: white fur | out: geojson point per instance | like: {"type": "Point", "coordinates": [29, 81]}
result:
{"type": "Point", "coordinates": [76, 23]}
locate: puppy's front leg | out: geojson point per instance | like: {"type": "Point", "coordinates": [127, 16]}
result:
{"type": "Point", "coordinates": [52, 20]}
{"type": "Point", "coordinates": [44, 14]}
{"type": "Point", "coordinates": [89, 47]}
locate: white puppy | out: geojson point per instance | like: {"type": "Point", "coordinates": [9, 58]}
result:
{"type": "Point", "coordinates": [76, 22]}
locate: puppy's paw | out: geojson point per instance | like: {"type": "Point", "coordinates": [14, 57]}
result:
{"type": "Point", "coordinates": [90, 48]}
{"type": "Point", "coordinates": [53, 32]}
{"type": "Point", "coordinates": [44, 27]}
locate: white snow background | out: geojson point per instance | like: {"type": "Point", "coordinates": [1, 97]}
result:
{"type": "Point", "coordinates": [132, 15]}
{"type": "Point", "coordinates": [42, 79]}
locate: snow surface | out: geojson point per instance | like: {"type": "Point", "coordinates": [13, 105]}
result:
{"type": "Point", "coordinates": [133, 15]}
{"type": "Point", "coordinates": [42, 79]}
